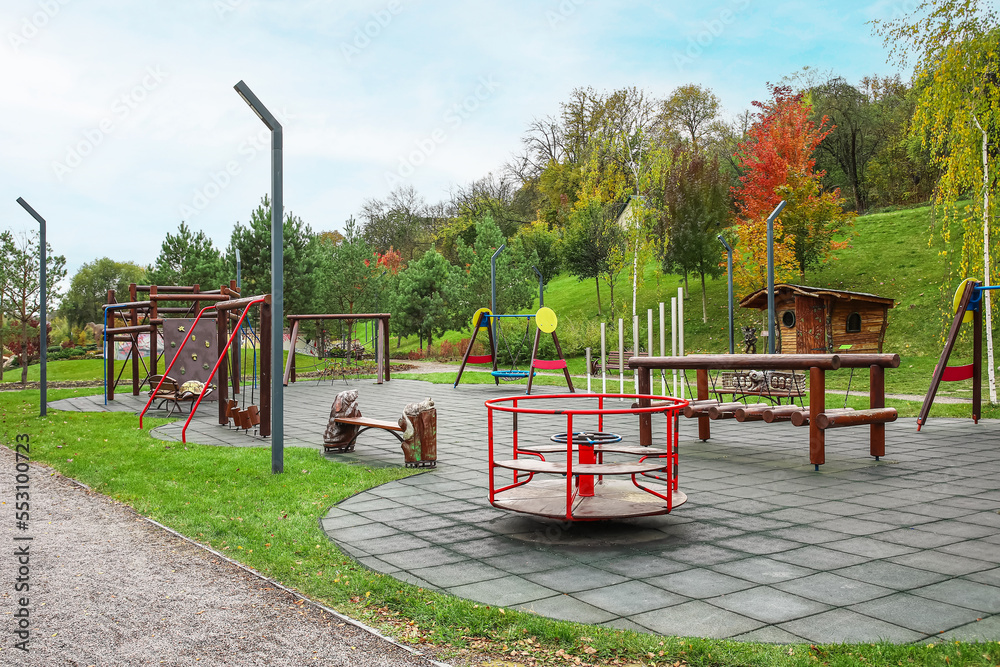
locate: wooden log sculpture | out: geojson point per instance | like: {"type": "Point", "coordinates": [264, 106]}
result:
{"type": "Point", "coordinates": [419, 424]}
{"type": "Point", "coordinates": [341, 436]}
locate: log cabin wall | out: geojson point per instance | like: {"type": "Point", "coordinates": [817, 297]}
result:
{"type": "Point", "coordinates": [873, 319]}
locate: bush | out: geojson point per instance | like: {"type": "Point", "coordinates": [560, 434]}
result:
{"type": "Point", "coordinates": [446, 350]}
{"type": "Point", "coordinates": [415, 355]}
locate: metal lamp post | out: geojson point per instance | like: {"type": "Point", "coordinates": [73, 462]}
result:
{"type": "Point", "coordinates": [277, 280]}
{"type": "Point", "coordinates": [770, 276]}
{"type": "Point", "coordinates": [43, 339]}
{"type": "Point", "coordinates": [729, 274]}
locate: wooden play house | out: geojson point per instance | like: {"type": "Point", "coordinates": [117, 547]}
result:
{"type": "Point", "coordinates": [813, 320]}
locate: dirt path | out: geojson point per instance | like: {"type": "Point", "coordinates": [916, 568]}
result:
{"type": "Point", "coordinates": [107, 587]}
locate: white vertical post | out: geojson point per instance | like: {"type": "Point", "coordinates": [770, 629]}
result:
{"type": "Point", "coordinates": [649, 333]}
{"type": "Point", "coordinates": [604, 358]}
{"type": "Point", "coordinates": [588, 370]}
{"type": "Point", "coordinates": [680, 334]}
{"type": "Point", "coordinates": [673, 337]}
{"type": "Point", "coordinates": [621, 357]}
{"type": "Point", "coordinates": [663, 351]}
{"type": "Point", "coordinates": [635, 350]}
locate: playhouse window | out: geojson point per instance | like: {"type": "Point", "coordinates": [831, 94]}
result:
{"type": "Point", "coordinates": [788, 318]}
{"type": "Point", "coordinates": [854, 323]}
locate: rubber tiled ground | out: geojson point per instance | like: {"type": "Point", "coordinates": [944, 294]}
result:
{"type": "Point", "coordinates": [766, 548]}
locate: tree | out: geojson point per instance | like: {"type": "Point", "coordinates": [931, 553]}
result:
{"type": "Point", "coordinates": [697, 208]}
{"type": "Point", "coordinates": [89, 288]}
{"type": "Point", "coordinates": [349, 274]}
{"type": "Point", "coordinates": [862, 124]}
{"type": "Point", "coordinates": [537, 237]}
{"type": "Point", "coordinates": [593, 238]}
{"type": "Point", "coordinates": [515, 281]}
{"type": "Point", "coordinates": [300, 250]}
{"type": "Point", "coordinates": [395, 222]}
{"type": "Point", "coordinates": [6, 269]}
{"type": "Point", "coordinates": [778, 160]}
{"type": "Point", "coordinates": [957, 115]}
{"type": "Point", "coordinates": [422, 297]}
{"type": "Point", "coordinates": [691, 108]}
{"type": "Point", "coordinates": [22, 292]}
{"type": "Point", "coordinates": [188, 258]}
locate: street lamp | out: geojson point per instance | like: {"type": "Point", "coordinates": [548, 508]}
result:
{"type": "Point", "coordinates": [277, 280]}
{"type": "Point", "coordinates": [729, 273]}
{"type": "Point", "coordinates": [770, 276]}
{"type": "Point", "coordinates": [43, 339]}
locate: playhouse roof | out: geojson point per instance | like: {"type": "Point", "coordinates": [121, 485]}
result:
{"type": "Point", "coordinates": [758, 299]}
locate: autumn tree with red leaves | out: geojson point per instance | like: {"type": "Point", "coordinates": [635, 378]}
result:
{"type": "Point", "coordinates": [777, 157]}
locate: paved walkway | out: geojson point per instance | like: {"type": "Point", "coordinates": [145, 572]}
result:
{"type": "Point", "coordinates": [765, 549]}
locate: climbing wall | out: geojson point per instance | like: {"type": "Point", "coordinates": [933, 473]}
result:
{"type": "Point", "coordinates": [198, 357]}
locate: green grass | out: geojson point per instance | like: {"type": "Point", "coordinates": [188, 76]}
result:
{"type": "Point", "coordinates": [228, 499]}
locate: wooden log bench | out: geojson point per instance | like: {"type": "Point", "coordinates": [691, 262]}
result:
{"type": "Point", "coordinates": [416, 429]}
{"type": "Point", "coordinates": [815, 415]}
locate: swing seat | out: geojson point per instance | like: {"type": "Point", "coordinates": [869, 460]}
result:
{"type": "Point", "coordinates": [510, 375]}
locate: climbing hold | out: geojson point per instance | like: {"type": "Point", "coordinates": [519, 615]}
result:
{"type": "Point", "coordinates": [181, 329]}
{"type": "Point", "coordinates": [194, 357]}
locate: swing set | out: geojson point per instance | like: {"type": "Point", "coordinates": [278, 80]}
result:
{"type": "Point", "coordinates": [545, 321]}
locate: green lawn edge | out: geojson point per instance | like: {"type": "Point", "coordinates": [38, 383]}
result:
{"type": "Point", "coordinates": [226, 498]}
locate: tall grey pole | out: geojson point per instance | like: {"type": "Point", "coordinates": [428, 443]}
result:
{"type": "Point", "coordinates": [493, 289]}
{"type": "Point", "coordinates": [43, 339]}
{"type": "Point", "coordinates": [277, 280]}
{"type": "Point", "coordinates": [729, 274]}
{"type": "Point", "coordinates": [541, 289]}
{"type": "Point", "coordinates": [770, 276]}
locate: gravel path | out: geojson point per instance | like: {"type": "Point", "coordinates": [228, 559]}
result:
{"type": "Point", "coordinates": [107, 587]}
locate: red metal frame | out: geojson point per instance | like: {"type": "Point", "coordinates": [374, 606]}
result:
{"type": "Point", "coordinates": [222, 357]}
{"type": "Point", "coordinates": [177, 356]}
{"type": "Point", "coordinates": [583, 485]}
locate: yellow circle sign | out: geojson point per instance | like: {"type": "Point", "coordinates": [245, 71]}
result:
{"type": "Point", "coordinates": [958, 298]}
{"type": "Point", "coordinates": [486, 321]}
{"type": "Point", "coordinates": [546, 320]}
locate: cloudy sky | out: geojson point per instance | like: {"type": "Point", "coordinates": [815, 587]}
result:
{"type": "Point", "coordinates": [118, 119]}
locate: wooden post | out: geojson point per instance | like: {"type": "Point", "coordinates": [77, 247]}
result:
{"type": "Point", "coordinates": [109, 352]}
{"type": "Point", "coordinates": [817, 404]}
{"type": "Point", "coordinates": [154, 333]}
{"type": "Point", "coordinates": [222, 330]}
{"type": "Point", "coordinates": [645, 420]}
{"type": "Point", "coordinates": [265, 369]}
{"type": "Point", "coordinates": [134, 321]}
{"type": "Point", "coordinates": [290, 362]}
{"type": "Point", "coordinates": [704, 430]}
{"type": "Point", "coordinates": [876, 394]}
{"type": "Point", "coordinates": [569, 380]}
{"type": "Point", "coordinates": [385, 348]}
{"type": "Point", "coordinates": [977, 362]}
{"type": "Point", "coordinates": [534, 353]}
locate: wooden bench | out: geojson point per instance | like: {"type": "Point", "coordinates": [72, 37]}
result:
{"type": "Point", "coordinates": [364, 424]}
{"type": "Point", "coordinates": [170, 392]}
{"type": "Point", "coordinates": [772, 385]}
{"type": "Point", "coordinates": [815, 416]}
{"type": "Point", "coordinates": [416, 429]}
{"type": "Point", "coordinates": [612, 362]}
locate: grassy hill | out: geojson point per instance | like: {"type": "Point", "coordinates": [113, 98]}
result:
{"type": "Point", "coordinates": [895, 254]}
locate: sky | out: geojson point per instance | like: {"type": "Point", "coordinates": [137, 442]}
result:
{"type": "Point", "coordinates": [118, 119]}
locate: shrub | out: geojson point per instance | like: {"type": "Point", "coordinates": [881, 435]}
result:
{"type": "Point", "coordinates": [446, 349]}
